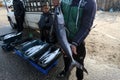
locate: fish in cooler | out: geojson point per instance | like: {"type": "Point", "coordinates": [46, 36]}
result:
{"type": "Point", "coordinates": [11, 35]}
{"type": "Point", "coordinates": [28, 43]}
{"type": "Point", "coordinates": [49, 56]}
{"type": "Point", "coordinates": [33, 50]}
{"type": "Point", "coordinates": [52, 56]}
{"type": "Point", "coordinates": [45, 54]}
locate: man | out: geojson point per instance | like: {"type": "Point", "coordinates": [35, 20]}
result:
{"type": "Point", "coordinates": [19, 13]}
{"type": "Point", "coordinates": [78, 16]}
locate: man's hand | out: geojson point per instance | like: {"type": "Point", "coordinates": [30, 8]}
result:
{"type": "Point", "coordinates": [74, 49]}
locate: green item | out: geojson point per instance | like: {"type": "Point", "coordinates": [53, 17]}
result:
{"type": "Point", "coordinates": [30, 35]}
{"type": "Point", "coordinates": [70, 15]}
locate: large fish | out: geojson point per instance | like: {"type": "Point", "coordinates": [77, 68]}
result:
{"type": "Point", "coordinates": [52, 56]}
{"type": "Point", "coordinates": [11, 35]}
{"type": "Point", "coordinates": [49, 56]}
{"type": "Point", "coordinates": [33, 51]}
{"type": "Point", "coordinates": [62, 38]}
{"type": "Point", "coordinates": [45, 54]}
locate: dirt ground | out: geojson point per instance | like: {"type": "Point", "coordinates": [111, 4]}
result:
{"type": "Point", "coordinates": [103, 49]}
{"type": "Point", "coordinates": [103, 43]}
{"type": "Point", "coordinates": [103, 46]}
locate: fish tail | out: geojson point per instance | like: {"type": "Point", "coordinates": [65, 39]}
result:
{"type": "Point", "coordinates": [78, 65]}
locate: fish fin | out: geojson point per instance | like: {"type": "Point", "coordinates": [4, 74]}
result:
{"type": "Point", "coordinates": [85, 70]}
{"type": "Point", "coordinates": [78, 65]}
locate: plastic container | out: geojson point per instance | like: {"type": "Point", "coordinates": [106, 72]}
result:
{"type": "Point", "coordinates": [34, 64]}
{"type": "Point", "coordinates": [34, 60]}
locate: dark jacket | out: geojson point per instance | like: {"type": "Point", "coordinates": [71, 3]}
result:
{"type": "Point", "coordinates": [84, 23]}
{"type": "Point", "coordinates": [19, 9]}
{"type": "Point", "coordinates": [46, 21]}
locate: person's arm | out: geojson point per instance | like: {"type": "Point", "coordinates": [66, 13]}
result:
{"type": "Point", "coordinates": [86, 22]}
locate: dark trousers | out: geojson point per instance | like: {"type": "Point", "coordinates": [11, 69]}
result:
{"type": "Point", "coordinates": [19, 21]}
{"type": "Point", "coordinates": [46, 36]}
{"type": "Point", "coordinates": [81, 53]}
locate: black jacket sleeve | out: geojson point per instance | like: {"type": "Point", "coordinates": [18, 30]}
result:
{"type": "Point", "coordinates": [89, 12]}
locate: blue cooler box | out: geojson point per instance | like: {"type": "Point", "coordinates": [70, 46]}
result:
{"type": "Point", "coordinates": [24, 50]}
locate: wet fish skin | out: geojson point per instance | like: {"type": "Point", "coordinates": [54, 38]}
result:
{"type": "Point", "coordinates": [44, 58]}
{"type": "Point", "coordinates": [31, 50]}
{"type": "Point", "coordinates": [19, 33]}
{"type": "Point", "coordinates": [36, 49]}
{"type": "Point", "coordinates": [28, 43]}
{"type": "Point", "coordinates": [60, 31]}
{"type": "Point", "coordinates": [51, 57]}
{"type": "Point", "coordinates": [47, 52]}
{"type": "Point", "coordinates": [11, 35]}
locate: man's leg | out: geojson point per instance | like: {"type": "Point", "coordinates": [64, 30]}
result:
{"type": "Point", "coordinates": [17, 21]}
{"type": "Point", "coordinates": [42, 35]}
{"type": "Point", "coordinates": [19, 24]}
{"type": "Point", "coordinates": [63, 73]}
{"type": "Point", "coordinates": [21, 20]}
{"type": "Point", "coordinates": [80, 58]}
